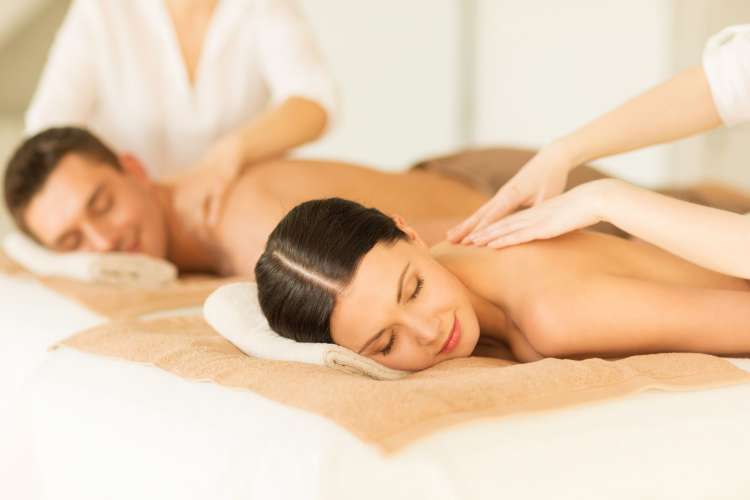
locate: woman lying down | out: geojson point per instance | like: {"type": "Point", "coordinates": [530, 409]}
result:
{"type": "Point", "coordinates": [335, 271]}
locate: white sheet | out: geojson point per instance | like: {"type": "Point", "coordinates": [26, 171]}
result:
{"type": "Point", "coordinates": [121, 430]}
{"type": "Point", "coordinates": [31, 319]}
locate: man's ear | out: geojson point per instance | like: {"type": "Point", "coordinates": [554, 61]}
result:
{"type": "Point", "coordinates": [133, 166]}
{"type": "Point", "coordinates": [410, 232]}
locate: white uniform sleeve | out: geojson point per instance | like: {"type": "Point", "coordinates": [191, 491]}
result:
{"type": "Point", "coordinates": [290, 58]}
{"type": "Point", "coordinates": [66, 93]}
{"type": "Point", "coordinates": [726, 60]}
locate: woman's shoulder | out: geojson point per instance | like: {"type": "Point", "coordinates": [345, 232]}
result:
{"type": "Point", "coordinates": [511, 275]}
{"type": "Point", "coordinates": [490, 258]}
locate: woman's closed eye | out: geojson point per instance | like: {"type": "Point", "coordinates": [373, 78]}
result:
{"type": "Point", "coordinates": [417, 288]}
{"type": "Point", "coordinates": [391, 341]}
{"type": "Point", "coordinates": [385, 350]}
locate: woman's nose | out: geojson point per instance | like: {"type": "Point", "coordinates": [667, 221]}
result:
{"type": "Point", "coordinates": [426, 329]}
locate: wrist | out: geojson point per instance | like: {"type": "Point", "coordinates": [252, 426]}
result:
{"type": "Point", "coordinates": [235, 153]}
{"type": "Point", "coordinates": [561, 154]}
{"type": "Point", "coordinates": [603, 195]}
{"type": "Point", "coordinates": [571, 151]}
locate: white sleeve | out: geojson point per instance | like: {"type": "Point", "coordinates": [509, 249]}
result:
{"type": "Point", "coordinates": [726, 60]}
{"type": "Point", "coordinates": [66, 94]}
{"type": "Point", "coordinates": [290, 58]}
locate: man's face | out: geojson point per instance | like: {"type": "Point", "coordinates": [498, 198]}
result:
{"type": "Point", "coordinates": [89, 206]}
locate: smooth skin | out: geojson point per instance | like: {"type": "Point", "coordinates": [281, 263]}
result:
{"type": "Point", "coordinates": [580, 295]}
{"type": "Point", "coordinates": [87, 205]}
{"type": "Point", "coordinates": [681, 107]}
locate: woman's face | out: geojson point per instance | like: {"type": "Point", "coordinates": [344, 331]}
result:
{"type": "Point", "coordinates": [404, 310]}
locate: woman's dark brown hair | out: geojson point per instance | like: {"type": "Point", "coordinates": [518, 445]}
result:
{"type": "Point", "coordinates": [311, 256]}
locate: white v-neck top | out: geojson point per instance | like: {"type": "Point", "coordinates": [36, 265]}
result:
{"type": "Point", "coordinates": [726, 61]}
{"type": "Point", "coordinates": [116, 67]}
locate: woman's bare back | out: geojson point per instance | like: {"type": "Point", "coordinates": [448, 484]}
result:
{"type": "Point", "coordinates": [594, 294]}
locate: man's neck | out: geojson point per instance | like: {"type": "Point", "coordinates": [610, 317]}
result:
{"type": "Point", "coordinates": [190, 250]}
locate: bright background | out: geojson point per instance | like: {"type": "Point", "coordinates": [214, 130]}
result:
{"type": "Point", "coordinates": [421, 77]}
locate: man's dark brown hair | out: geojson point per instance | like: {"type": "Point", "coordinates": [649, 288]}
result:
{"type": "Point", "coordinates": [36, 158]}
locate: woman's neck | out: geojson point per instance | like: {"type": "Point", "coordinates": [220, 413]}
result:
{"type": "Point", "coordinates": [462, 262]}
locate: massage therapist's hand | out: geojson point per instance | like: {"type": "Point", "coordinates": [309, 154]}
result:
{"type": "Point", "coordinates": [201, 191]}
{"type": "Point", "coordinates": [576, 209]}
{"type": "Point", "coordinates": [544, 176]}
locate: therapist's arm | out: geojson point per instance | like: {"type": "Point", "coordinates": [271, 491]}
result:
{"type": "Point", "coordinates": [303, 102]}
{"type": "Point", "coordinates": [678, 108]}
{"type": "Point", "coordinates": [712, 238]}
{"type": "Point", "coordinates": [295, 121]}
{"type": "Point", "coordinates": [709, 237]}
{"type": "Point", "coordinates": [201, 191]}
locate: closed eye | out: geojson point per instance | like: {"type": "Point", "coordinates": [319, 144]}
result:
{"type": "Point", "coordinates": [102, 204]}
{"type": "Point", "coordinates": [385, 350]}
{"type": "Point", "coordinates": [417, 289]}
{"type": "Point", "coordinates": [70, 242]}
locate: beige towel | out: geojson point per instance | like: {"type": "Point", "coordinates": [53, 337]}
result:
{"type": "Point", "coordinates": [117, 302]}
{"type": "Point", "coordinates": [392, 414]}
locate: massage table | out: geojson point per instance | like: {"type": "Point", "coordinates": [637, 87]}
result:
{"type": "Point", "coordinates": [90, 427]}
{"type": "Point", "coordinates": [32, 318]}
{"type": "Point", "coordinates": [108, 429]}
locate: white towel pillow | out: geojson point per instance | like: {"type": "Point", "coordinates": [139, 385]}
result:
{"type": "Point", "coordinates": [233, 311]}
{"type": "Point", "coordinates": [122, 269]}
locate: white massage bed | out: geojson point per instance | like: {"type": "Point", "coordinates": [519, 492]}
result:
{"type": "Point", "coordinates": [104, 428]}
{"type": "Point", "coordinates": [31, 318]}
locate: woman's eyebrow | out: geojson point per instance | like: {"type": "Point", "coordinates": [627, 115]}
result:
{"type": "Point", "coordinates": [398, 299]}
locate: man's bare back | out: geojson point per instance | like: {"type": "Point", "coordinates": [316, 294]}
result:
{"type": "Point", "coordinates": [265, 193]}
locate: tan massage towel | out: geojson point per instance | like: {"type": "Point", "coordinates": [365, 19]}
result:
{"type": "Point", "coordinates": [117, 302]}
{"type": "Point", "coordinates": [392, 414]}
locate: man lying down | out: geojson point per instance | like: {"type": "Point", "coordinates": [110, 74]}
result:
{"type": "Point", "coordinates": [334, 271]}
{"type": "Point", "coordinates": [69, 191]}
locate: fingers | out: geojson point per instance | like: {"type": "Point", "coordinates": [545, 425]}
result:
{"type": "Point", "coordinates": [504, 202]}
{"type": "Point", "coordinates": [500, 228]}
{"type": "Point", "coordinates": [507, 200]}
{"type": "Point", "coordinates": [513, 232]}
{"type": "Point", "coordinates": [218, 198]}
{"type": "Point", "coordinates": [212, 218]}
{"type": "Point", "coordinates": [516, 238]}
{"type": "Point", "coordinates": [459, 232]}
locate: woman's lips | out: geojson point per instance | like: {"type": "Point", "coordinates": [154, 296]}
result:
{"type": "Point", "coordinates": [453, 338]}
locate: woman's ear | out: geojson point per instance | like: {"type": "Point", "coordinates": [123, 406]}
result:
{"type": "Point", "coordinates": [133, 166]}
{"type": "Point", "coordinates": [410, 232]}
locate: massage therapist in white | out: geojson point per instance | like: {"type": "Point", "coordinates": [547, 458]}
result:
{"type": "Point", "coordinates": [199, 88]}
{"type": "Point", "coordinates": [698, 99]}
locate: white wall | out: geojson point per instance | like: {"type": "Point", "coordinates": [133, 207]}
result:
{"type": "Point", "coordinates": [533, 69]}
{"type": "Point", "coordinates": [545, 67]}
{"type": "Point", "coordinates": [397, 64]}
